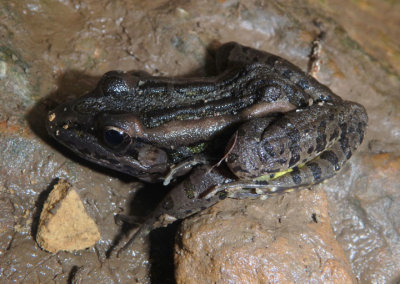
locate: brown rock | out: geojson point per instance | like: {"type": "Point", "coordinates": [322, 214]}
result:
{"type": "Point", "coordinates": [64, 223]}
{"type": "Point", "coordinates": [6, 215]}
{"type": "Point", "coordinates": [286, 238]}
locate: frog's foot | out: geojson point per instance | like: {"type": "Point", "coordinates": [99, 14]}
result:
{"type": "Point", "coordinates": [242, 189]}
{"type": "Point", "coordinates": [145, 228]}
{"type": "Point", "coordinates": [250, 189]}
{"type": "Point", "coordinates": [132, 220]}
{"type": "Point", "coordinates": [135, 224]}
{"type": "Point", "coordinates": [136, 234]}
{"type": "Point", "coordinates": [133, 236]}
{"type": "Point", "coordinates": [183, 167]}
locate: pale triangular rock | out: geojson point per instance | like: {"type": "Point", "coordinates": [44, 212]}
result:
{"type": "Point", "coordinates": [64, 223]}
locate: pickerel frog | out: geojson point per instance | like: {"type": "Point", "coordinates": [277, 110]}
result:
{"type": "Point", "coordinates": [260, 127]}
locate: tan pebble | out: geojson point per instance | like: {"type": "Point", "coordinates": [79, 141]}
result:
{"type": "Point", "coordinates": [64, 223]}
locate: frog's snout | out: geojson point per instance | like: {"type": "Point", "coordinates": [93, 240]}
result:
{"type": "Point", "coordinates": [60, 118]}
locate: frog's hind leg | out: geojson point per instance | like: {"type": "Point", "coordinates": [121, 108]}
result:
{"type": "Point", "coordinates": [140, 232]}
{"type": "Point", "coordinates": [131, 220]}
{"type": "Point", "coordinates": [311, 172]}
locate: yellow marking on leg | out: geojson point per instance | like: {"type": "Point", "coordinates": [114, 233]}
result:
{"type": "Point", "coordinates": [268, 177]}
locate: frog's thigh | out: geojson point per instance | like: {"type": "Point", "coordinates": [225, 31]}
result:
{"type": "Point", "coordinates": [275, 144]}
{"type": "Point", "coordinates": [326, 165]}
{"type": "Point", "coordinates": [266, 148]}
{"type": "Point", "coordinates": [312, 172]}
{"type": "Point", "coordinates": [243, 154]}
{"type": "Point", "coordinates": [322, 167]}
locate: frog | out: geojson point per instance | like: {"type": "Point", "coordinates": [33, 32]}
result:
{"type": "Point", "coordinates": [258, 128]}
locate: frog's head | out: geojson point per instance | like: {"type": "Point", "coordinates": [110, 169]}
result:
{"type": "Point", "coordinates": [102, 127]}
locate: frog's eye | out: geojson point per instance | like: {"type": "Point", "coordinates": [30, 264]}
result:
{"type": "Point", "coordinates": [115, 138]}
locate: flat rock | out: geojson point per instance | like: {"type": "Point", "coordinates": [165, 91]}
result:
{"type": "Point", "coordinates": [284, 239]}
{"type": "Point", "coordinates": [64, 223]}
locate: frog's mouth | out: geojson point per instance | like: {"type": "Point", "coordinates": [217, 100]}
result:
{"type": "Point", "coordinates": [77, 132]}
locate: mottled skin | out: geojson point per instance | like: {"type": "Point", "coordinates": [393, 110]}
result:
{"type": "Point", "coordinates": [275, 127]}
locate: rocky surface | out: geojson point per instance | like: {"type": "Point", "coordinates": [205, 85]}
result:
{"type": "Point", "coordinates": [41, 67]}
{"type": "Point", "coordinates": [284, 239]}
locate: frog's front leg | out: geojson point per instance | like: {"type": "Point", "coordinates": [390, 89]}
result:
{"type": "Point", "coordinates": [184, 167]}
{"type": "Point", "coordinates": [184, 199]}
{"type": "Point", "coordinates": [296, 149]}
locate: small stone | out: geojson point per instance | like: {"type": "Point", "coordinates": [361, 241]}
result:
{"type": "Point", "coordinates": [64, 223]}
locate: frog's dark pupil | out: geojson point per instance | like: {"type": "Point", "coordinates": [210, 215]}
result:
{"type": "Point", "coordinates": [113, 137]}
